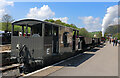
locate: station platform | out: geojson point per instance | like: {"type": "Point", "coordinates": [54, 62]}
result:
{"type": "Point", "coordinates": [99, 61]}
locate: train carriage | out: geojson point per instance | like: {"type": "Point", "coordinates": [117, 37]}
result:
{"type": "Point", "coordinates": [96, 41]}
{"type": "Point", "coordinates": [88, 41]}
{"type": "Point", "coordinates": [85, 42]}
{"type": "Point", "coordinates": [46, 44]}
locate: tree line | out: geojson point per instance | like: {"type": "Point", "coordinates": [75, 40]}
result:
{"type": "Point", "coordinates": [114, 30]}
{"type": "Point", "coordinates": [7, 19]}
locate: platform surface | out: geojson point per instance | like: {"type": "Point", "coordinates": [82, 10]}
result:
{"type": "Point", "coordinates": [100, 61]}
{"type": "Point", "coordinates": [103, 62]}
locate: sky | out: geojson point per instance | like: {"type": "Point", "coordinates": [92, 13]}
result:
{"type": "Point", "coordinates": [64, 0]}
{"type": "Point", "coordinates": [89, 15]}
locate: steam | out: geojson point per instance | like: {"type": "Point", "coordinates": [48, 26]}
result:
{"type": "Point", "coordinates": [110, 16]}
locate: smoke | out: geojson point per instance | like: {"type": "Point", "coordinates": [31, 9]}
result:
{"type": "Point", "coordinates": [109, 18]}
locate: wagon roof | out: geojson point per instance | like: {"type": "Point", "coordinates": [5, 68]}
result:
{"type": "Point", "coordinates": [29, 22]}
{"type": "Point", "coordinates": [32, 22]}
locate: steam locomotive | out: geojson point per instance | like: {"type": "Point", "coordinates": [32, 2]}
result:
{"type": "Point", "coordinates": [46, 44]}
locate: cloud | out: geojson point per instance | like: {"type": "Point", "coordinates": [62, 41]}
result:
{"type": "Point", "coordinates": [64, 19]}
{"type": "Point", "coordinates": [2, 12]}
{"type": "Point", "coordinates": [40, 13]}
{"type": "Point", "coordinates": [43, 13]}
{"type": "Point", "coordinates": [115, 21]}
{"type": "Point", "coordinates": [111, 17]}
{"type": "Point", "coordinates": [91, 23]}
{"type": "Point", "coordinates": [3, 4]}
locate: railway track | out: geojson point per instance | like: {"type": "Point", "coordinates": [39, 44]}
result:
{"type": "Point", "coordinates": [11, 70]}
{"type": "Point", "coordinates": [4, 48]}
{"type": "Point", "coordinates": [8, 66]}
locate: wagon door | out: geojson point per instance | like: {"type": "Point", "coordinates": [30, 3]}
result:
{"type": "Point", "coordinates": [55, 40]}
{"type": "Point", "coordinates": [74, 40]}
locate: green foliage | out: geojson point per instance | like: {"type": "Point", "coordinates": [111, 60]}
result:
{"type": "Point", "coordinates": [84, 32]}
{"type": "Point", "coordinates": [0, 26]}
{"type": "Point", "coordinates": [117, 35]}
{"type": "Point", "coordinates": [97, 33]}
{"type": "Point", "coordinates": [58, 22]}
{"type": "Point", "coordinates": [7, 19]}
{"type": "Point", "coordinates": [16, 28]}
{"type": "Point", "coordinates": [50, 20]}
{"type": "Point", "coordinates": [4, 27]}
{"type": "Point", "coordinates": [61, 23]}
{"type": "Point", "coordinates": [114, 30]}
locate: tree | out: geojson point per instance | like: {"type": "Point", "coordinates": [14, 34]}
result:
{"type": "Point", "coordinates": [117, 35]}
{"type": "Point", "coordinates": [84, 32]}
{"type": "Point", "coordinates": [7, 19]}
{"type": "Point", "coordinates": [50, 20]}
{"type": "Point", "coordinates": [58, 22]}
{"type": "Point", "coordinates": [61, 23]}
{"type": "Point", "coordinates": [99, 34]}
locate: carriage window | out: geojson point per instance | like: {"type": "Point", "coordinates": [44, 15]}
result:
{"type": "Point", "coordinates": [37, 31]}
{"type": "Point", "coordinates": [48, 30]}
{"type": "Point", "coordinates": [18, 31]}
{"type": "Point", "coordinates": [55, 31]}
{"type": "Point", "coordinates": [65, 39]}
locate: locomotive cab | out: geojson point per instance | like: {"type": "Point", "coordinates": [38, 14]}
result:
{"type": "Point", "coordinates": [36, 41]}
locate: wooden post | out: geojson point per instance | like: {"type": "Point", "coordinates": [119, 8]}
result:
{"type": "Point", "coordinates": [22, 30]}
{"type": "Point", "coordinates": [43, 29]}
{"type": "Point", "coordinates": [77, 33]}
{"type": "Point", "coordinates": [26, 30]}
{"type": "Point", "coordinates": [52, 31]}
{"type": "Point", "coordinates": [31, 31]}
{"type": "Point", "coordinates": [12, 34]}
{"type": "Point", "coordinates": [52, 40]}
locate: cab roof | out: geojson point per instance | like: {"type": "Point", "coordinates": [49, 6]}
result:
{"type": "Point", "coordinates": [33, 22]}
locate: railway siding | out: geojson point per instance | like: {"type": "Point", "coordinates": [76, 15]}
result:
{"type": "Point", "coordinates": [12, 70]}
{"type": "Point", "coordinates": [5, 47]}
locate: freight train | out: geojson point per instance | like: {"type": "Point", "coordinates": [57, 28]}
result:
{"type": "Point", "coordinates": [46, 44]}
